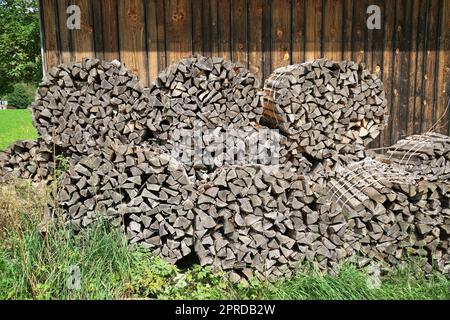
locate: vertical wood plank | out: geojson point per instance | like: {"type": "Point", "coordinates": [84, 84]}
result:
{"type": "Point", "coordinates": [396, 74]}
{"type": "Point", "coordinates": [51, 54]}
{"type": "Point", "coordinates": [413, 66]}
{"type": "Point", "coordinates": [375, 51]}
{"type": "Point", "coordinates": [347, 30]}
{"type": "Point", "coordinates": [206, 27]}
{"type": "Point", "coordinates": [197, 26]}
{"type": "Point", "coordinates": [83, 42]}
{"type": "Point", "coordinates": [267, 39]}
{"type": "Point", "coordinates": [214, 13]}
{"type": "Point", "coordinates": [368, 37]}
{"type": "Point", "coordinates": [239, 31]}
{"type": "Point", "coordinates": [42, 34]}
{"type": "Point", "coordinates": [224, 34]}
{"type": "Point", "coordinates": [431, 42]}
{"type": "Point", "coordinates": [401, 75]}
{"type": "Point", "coordinates": [97, 14]}
{"type": "Point", "coordinates": [420, 66]}
{"type": "Point", "coordinates": [298, 31]}
{"type": "Point", "coordinates": [281, 34]}
{"type": "Point", "coordinates": [388, 26]}
{"type": "Point", "coordinates": [152, 39]}
{"type": "Point", "coordinates": [110, 27]}
{"type": "Point", "coordinates": [132, 37]}
{"type": "Point", "coordinates": [161, 33]}
{"type": "Point", "coordinates": [443, 76]}
{"type": "Point", "coordinates": [332, 29]}
{"type": "Point", "coordinates": [406, 48]}
{"type": "Point", "coordinates": [313, 29]}
{"type": "Point", "coordinates": [359, 29]}
{"type": "Point", "coordinates": [375, 44]}
{"type": "Point", "coordinates": [255, 38]}
{"type": "Point", "coordinates": [178, 30]}
{"type": "Point", "coordinates": [65, 37]}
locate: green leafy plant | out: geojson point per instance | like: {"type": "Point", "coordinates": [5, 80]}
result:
{"type": "Point", "coordinates": [20, 59]}
{"type": "Point", "coordinates": [63, 164]}
{"type": "Point", "coordinates": [22, 95]}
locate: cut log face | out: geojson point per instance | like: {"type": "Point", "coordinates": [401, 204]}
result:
{"type": "Point", "coordinates": [84, 106]}
{"type": "Point", "coordinates": [326, 107]}
{"type": "Point", "coordinates": [32, 160]}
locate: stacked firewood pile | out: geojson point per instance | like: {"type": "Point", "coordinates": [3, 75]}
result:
{"type": "Point", "coordinates": [326, 107]}
{"type": "Point", "coordinates": [203, 99]}
{"type": "Point", "coordinates": [179, 166]}
{"type": "Point", "coordinates": [247, 219]}
{"type": "Point", "coordinates": [27, 160]}
{"type": "Point", "coordinates": [137, 187]}
{"type": "Point", "coordinates": [391, 214]}
{"type": "Point", "coordinates": [86, 106]}
{"type": "Point", "coordinates": [210, 92]}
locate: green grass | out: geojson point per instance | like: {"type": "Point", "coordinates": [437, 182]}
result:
{"type": "Point", "coordinates": [36, 267]}
{"type": "Point", "coordinates": [15, 125]}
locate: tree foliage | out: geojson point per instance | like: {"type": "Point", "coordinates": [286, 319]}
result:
{"type": "Point", "coordinates": [20, 59]}
{"type": "Point", "coordinates": [22, 95]}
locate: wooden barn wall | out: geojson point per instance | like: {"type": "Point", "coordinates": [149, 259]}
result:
{"type": "Point", "coordinates": [410, 52]}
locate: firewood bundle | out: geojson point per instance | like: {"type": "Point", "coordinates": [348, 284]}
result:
{"type": "Point", "coordinates": [32, 160]}
{"type": "Point", "coordinates": [84, 106]}
{"type": "Point", "coordinates": [426, 156]}
{"type": "Point", "coordinates": [393, 215]}
{"type": "Point", "coordinates": [204, 97]}
{"type": "Point", "coordinates": [326, 107]}
{"type": "Point", "coordinates": [145, 191]}
{"type": "Point", "coordinates": [245, 220]}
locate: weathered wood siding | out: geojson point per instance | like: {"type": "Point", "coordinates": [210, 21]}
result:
{"type": "Point", "coordinates": [410, 52]}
